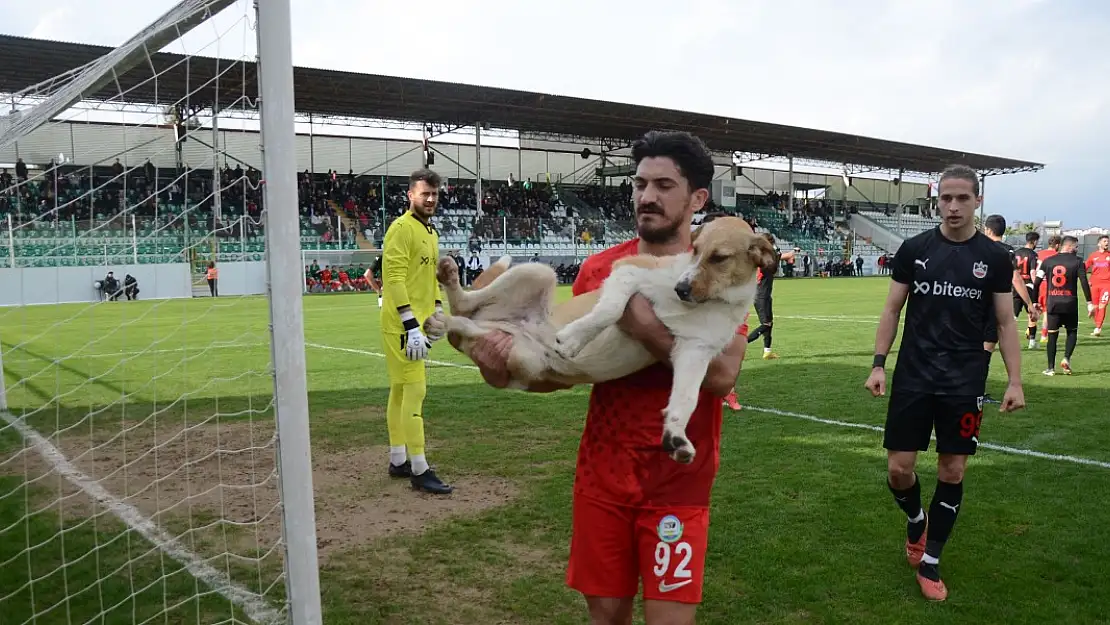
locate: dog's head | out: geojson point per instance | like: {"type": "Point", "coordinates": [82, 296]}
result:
{"type": "Point", "coordinates": [726, 262]}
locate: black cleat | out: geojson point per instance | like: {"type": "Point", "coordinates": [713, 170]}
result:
{"type": "Point", "coordinates": [429, 482]}
{"type": "Point", "coordinates": [403, 470]}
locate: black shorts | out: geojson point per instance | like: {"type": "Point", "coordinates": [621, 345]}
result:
{"type": "Point", "coordinates": [1068, 320]}
{"type": "Point", "coordinates": [911, 418]}
{"type": "Point", "coordinates": [1019, 304]}
{"type": "Point", "coordinates": [763, 310]}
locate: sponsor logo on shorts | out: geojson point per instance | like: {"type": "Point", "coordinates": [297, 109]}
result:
{"type": "Point", "coordinates": [669, 529]}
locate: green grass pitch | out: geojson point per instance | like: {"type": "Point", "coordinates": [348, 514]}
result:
{"type": "Point", "coordinates": [139, 396]}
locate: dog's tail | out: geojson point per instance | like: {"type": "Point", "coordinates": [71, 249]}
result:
{"type": "Point", "coordinates": [489, 275]}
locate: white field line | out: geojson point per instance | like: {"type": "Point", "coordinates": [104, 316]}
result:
{"type": "Point", "coordinates": [255, 607]}
{"type": "Point", "coordinates": [1018, 451]}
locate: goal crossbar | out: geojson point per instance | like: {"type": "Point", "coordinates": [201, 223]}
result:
{"type": "Point", "coordinates": [171, 26]}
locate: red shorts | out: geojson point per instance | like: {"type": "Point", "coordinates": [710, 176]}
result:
{"type": "Point", "coordinates": [613, 547]}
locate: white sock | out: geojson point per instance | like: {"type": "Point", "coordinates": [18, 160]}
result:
{"type": "Point", "coordinates": [928, 559]}
{"type": "Point", "coordinates": [419, 464]}
{"type": "Point", "coordinates": [919, 518]}
{"type": "Point", "coordinates": [379, 301]}
{"type": "Point", "coordinates": [766, 350]}
{"type": "Point", "coordinates": [397, 455]}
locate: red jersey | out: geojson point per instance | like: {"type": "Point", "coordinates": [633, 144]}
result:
{"type": "Point", "coordinates": [1045, 254]}
{"type": "Point", "coordinates": [1098, 263]}
{"type": "Point", "coordinates": [621, 458]}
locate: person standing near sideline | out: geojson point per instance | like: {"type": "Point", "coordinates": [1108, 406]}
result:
{"type": "Point", "coordinates": [212, 275]}
{"type": "Point", "coordinates": [410, 294]}
{"type": "Point", "coordinates": [950, 279]}
{"type": "Point", "coordinates": [1064, 273]}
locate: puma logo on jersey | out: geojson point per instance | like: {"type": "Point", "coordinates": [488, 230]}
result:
{"type": "Point", "coordinates": [918, 261]}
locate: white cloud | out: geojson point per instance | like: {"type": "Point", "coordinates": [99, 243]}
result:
{"type": "Point", "coordinates": [1006, 77]}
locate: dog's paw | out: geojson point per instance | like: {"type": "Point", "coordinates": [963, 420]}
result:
{"type": "Point", "coordinates": [447, 272]}
{"type": "Point", "coordinates": [435, 327]}
{"type": "Point", "coordinates": [678, 446]}
{"type": "Point", "coordinates": [567, 344]}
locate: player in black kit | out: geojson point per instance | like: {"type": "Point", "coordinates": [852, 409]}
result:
{"type": "Point", "coordinates": [994, 226]}
{"type": "Point", "coordinates": [949, 279]}
{"type": "Point", "coordinates": [763, 302]}
{"type": "Point", "coordinates": [1065, 272]}
{"type": "Point", "coordinates": [1026, 258]}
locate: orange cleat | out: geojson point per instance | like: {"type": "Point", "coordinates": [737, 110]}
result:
{"type": "Point", "coordinates": [914, 551]}
{"type": "Point", "coordinates": [731, 401]}
{"type": "Point", "coordinates": [933, 591]}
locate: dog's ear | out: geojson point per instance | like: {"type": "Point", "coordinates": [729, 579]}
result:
{"type": "Point", "coordinates": [762, 253]}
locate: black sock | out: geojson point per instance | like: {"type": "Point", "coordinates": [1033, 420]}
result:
{"type": "Point", "coordinates": [1031, 332]}
{"type": "Point", "coordinates": [943, 511]}
{"type": "Point", "coordinates": [1069, 344]}
{"type": "Point", "coordinates": [1051, 349]}
{"type": "Point", "coordinates": [767, 336]}
{"type": "Point", "coordinates": [755, 335]}
{"type": "Point", "coordinates": [909, 500]}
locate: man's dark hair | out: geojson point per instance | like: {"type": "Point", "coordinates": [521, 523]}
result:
{"type": "Point", "coordinates": [687, 151]}
{"type": "Point", "coordinates": [433, 179]}
{"type": "Point", "coordinates": [1032, 237]}
{"type": "Point", "coordinates": [1054, 240]}
{"type": "Point", "coordinates": [960, 172]}
{"type": "Point", "coordinates": [1069, 240]}
{"type": "Point", "coordinates": [1105, 236]}
{"type": "Point", "coordinates": [995, 224]}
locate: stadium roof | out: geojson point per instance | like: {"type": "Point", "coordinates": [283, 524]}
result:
{"type": "Point", "coordinates": [25, 62]}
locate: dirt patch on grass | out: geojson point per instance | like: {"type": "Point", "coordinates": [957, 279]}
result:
{"type": "Point", "coordinates": [188, 480]}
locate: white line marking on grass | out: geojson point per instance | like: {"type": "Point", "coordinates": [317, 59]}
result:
{"type": "Point", "coordinates": [1030, 453]}
{"type": "Point", "coordinates": [255, 607]}
{"type": "Point", "coordinates": [874, 428]}
{"type": "Point", "coordinates": [363, 352]}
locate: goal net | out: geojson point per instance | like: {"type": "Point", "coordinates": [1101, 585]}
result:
{"type": "Point", "coordinates": [152, 332]}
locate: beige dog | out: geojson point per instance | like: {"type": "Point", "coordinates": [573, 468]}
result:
{"type": "Point", "coordinates": [701, 296]}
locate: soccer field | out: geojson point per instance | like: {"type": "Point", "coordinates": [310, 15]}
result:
{"type": "Point", "coordinates": [163, 410]}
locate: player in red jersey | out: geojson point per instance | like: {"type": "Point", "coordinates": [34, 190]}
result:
{"type": "Point", "coordinates": [1098, 263]}
{"type": "Point", "coordinates": [637, 514]}
{"type": "Point", "coordinates": [1043, 255]}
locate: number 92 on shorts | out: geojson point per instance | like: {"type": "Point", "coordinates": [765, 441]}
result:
{"type": "Point", "coordinates": [613, 547]}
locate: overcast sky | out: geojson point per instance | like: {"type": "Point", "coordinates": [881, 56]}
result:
{"type": "Point", "coordinates": [1026, 79]}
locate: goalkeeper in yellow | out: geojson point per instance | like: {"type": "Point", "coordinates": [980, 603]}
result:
{"type": "Point", "coordinates": [410, 294]}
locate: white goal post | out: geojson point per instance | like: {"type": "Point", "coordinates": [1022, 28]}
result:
{"type": "Point", "coordinates": [155, 458]}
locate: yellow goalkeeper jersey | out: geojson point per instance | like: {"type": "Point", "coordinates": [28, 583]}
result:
{"type": "Point", "coordinates": [410, 253]}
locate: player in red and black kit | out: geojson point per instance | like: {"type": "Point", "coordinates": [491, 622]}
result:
{"type": "Point", "coordinates": [1025, 259]}
{"type": "Point", "coordinates": [1064, 273]}
{"type": "Point", "coordinates": [1043, 255]}
{"type": "Point", "coordinates": [951, 281]}
{"type": "Point", "coordinates": [637, 514]}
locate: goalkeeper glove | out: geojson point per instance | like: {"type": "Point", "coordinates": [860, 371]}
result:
{"type": "Point", "coordinates": [413, 341]}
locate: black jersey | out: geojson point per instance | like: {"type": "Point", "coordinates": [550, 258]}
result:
{"type": "Point", "coordinates": [1026, 263]}
{"type": "Point", "coordinates": [951, 300]}
{"type": "Point", "coordinates": [1065, 273]}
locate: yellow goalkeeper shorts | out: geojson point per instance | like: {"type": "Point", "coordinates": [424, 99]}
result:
{"type": "Point", "coordinates": [401, 370]}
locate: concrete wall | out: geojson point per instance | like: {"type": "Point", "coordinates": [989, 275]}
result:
{"type": "Point", "coordinates": [58, 285]}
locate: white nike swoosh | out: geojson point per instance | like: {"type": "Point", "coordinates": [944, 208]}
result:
{"type": "Point", "coordinates": [664, 587]}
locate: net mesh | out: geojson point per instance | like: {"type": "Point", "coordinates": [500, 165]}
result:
{"type": "Point", "coordinates": [138, 479]}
